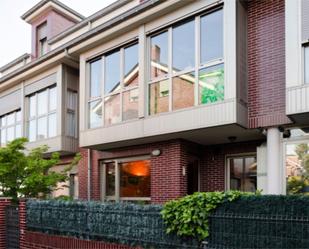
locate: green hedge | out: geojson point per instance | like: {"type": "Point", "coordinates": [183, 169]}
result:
{"type": "Point", "coordinates": [261, 222]}
{"type": "Point", "coordinates": [129, 224]}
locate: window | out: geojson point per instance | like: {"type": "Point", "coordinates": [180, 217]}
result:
{"type": "Point", "coordinates": [306, 64]}
{"type": "Point", "coordinates": [126, 179]}
{"type": "Point", "coordinates": [242, 172]}
{"type": "Point", "coordinates": [71, 125]}
{"type": "Point", "coordinates": [42, 121]}
{"type": "Point", "coordinates": [119, 99]}
{"type": "Point", "coordinates": [193, 75]}
{"type": "Point", "coordinates": [10, 127]}
{"type": "Point", "coordinates": [42, 39]}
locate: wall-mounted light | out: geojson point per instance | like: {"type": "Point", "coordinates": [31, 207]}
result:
{"type": "Point", "coordinates": [156, 152]}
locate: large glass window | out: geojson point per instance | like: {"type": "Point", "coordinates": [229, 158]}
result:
{"type": "Point", "coordinates": [127, 179]}
{"type": "Point", "coordinates": [71, 126]}
{"type": "Point", "coordinates": [10, 127]}
{"type": "Point", "coordinates": [120, 81]}
{"type": "Point", "coordinates": [242, 173]}
{"type": "Point", "coordinates": [175, 67]}
{"type": "Point", "coordinates": [42, 121]}
{"type": "Point", "coordinates": [306, 64]}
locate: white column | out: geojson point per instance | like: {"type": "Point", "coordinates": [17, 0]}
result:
{"type": "Point", "coordinates": [273, 161]}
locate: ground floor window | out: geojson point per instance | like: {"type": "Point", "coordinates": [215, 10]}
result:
{"type": "Point", "coordinates": [242, 173]}
{"type": "Point", "coordinates": [126, 179]}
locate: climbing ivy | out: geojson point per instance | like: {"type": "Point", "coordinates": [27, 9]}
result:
{"type": "Point", "coordinates": [188, 216]}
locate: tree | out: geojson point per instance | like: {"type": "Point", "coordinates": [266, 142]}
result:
{"type": "Point", "coordinates": [27, 173]}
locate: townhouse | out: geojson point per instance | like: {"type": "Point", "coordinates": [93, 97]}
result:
{"type": "Point", "coordinates": [165, 98]}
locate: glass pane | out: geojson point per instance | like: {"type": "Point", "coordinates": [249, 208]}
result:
{"type": "Point", "coordinates": [72, 100]}
{"type": "Point", "coordinates": [236, 173]}
{"type": "Point", "coordinates": [110, 179]}
{"type": "Point", "coordinates": [42, 102]}
{"type": "Point", "coordinates": [112, 73]}
{"type": "Point", "coordinates": [95, 78]}
{"type": "Point", "coordinates": [212, 36]}
{"type": "Point", "coordinates": [159, 97]}
{"type": "Point", "coordinates": [183, 46]}
{"type": "Point", "coordinates": [112, 109]}
{"type": "Point", "coordinates": [3, 136]}
{"type": "Point", "coordinates": [211, 84]}
{"type": "Point", "coordinates": [306, 64]}
{"type": "Point", "coordinates": [3, 121]}
{"type": "Point", "coordinates": [18, 116]}
{"type": "Point", "coordinates": [183, 91]}
{"type": "Point", "coordinates": [10, 134]}
{"type": "Point", "coordinates": [71, 126]}
{"type": "Point", "coordinates": [32, 106]}
{"type": "Point", "coordinates": [250, 181]}
{"type": "Point", "coordinates": [95, 114]}
{"type": "Point", "coordinates": [42, 128]}
{"type": "Point", "coordinates": [159, 55]}
{"type": "Point", "coordinates": [32, 130]}
{"type": "Point", "coordinates": [135, 179]}
{"type": "Point", "coordinates": [52, 125]}
{"type": "Point", "coordinates": [17, 131]}
{"type": "Point", "coordinates": [297, 168]}
{"type": "Point", "coordinates": [131, 66]}
{"type": "Point", "coordinates": [52, 99]}
{"type": "Point", "coordinates": [130, 104]}
{"type": "Point", "coordinates": [10, 119]}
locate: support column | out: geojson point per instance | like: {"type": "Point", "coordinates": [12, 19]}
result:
{"type": "Point", "coordinates": [273, 161]}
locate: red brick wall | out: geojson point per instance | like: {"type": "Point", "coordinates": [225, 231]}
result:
{"type": "Point", "coordinates": [266, 63]}
{"type": "Point", "coordinates": [3, 203]}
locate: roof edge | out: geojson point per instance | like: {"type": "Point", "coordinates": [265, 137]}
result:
{"type": "Point", "coordinates": [14, 62]}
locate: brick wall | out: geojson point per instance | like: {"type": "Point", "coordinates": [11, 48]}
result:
{"type": "Point", "coordinates": [4, 202]}
{"type": "Point", "coordinates": [266, 63]}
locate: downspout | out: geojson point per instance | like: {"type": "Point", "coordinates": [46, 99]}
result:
{"type": "Point", "coordinates": [89, 176]}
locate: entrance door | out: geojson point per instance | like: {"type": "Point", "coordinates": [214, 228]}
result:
{"type": "Point", "coordinates": [193, 180]}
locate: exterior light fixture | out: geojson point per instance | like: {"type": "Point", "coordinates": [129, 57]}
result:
{"type": "Point", "coordinates": [156, 152]}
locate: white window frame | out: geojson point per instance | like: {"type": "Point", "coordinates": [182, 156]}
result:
{"type": "Point", "coordinates": [117, 197]}
{"type": "Point", "coordinates": [228, 169]}
{"type": "Point", "coordinates": [122, 89]}
{"type": "Point", "coordinates": [13, 125]}
{"type": "Point", "coordinates": [198, 65]}
{"type": "Point", "coordinates": [73, 112]}
{"type": "Point", "coordinates": [37, 117]}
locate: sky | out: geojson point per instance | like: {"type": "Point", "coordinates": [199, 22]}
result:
{"type": "Point", "coordinates": [15, 33]}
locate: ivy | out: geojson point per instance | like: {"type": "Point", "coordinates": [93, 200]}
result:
{"type": "Point", "coordinates": [188, 216]}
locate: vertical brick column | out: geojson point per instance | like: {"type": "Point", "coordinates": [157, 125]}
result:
{"type": "Point", "coordinates": [22, 222]}
{"type": "Point", "coordinates": [4, 202]}
{"type": "Point", "coordinates": [83, 174]}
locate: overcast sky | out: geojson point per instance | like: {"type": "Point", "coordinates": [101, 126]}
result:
{"type": "Point", "coordinates": [15, 34]}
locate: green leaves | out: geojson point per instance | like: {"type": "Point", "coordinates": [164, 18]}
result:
{"type": "Point", "coordinates": [27, 173]}
{"type": "Point", "coordinates": [188, 216]}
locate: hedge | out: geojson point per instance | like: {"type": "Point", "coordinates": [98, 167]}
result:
{"type": "Point", "coordinates": [129, 224]}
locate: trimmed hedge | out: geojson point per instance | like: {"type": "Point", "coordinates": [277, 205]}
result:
{"type": "Point", "coordinates": [261, 222]}
{"type": "Point", "coordinates": [129, 224]}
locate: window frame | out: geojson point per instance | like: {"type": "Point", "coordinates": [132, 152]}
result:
{"type": "Point", "coordinates": [121, 91]}
{"type": "Point", "coordinates": [37, 116]}
{"type": "Point", "coordinates": [41, 40]}
{"type": "Point", "coordinates": [304, 45]}
{"type": "Point", "coordinates": [74, 112]}
{"type": "Point", "coordinates": [103, 175]}
{"type": "Point", "coordinates": [13, 125]}
{"type": "Point", "coordinates": [198, 64]}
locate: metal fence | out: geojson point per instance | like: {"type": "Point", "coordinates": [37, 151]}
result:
{"type": "Point", "coordinates": [12, 227]}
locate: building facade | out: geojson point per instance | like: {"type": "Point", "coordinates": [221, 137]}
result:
{"type": "Point", "coordinates": [166, 98]}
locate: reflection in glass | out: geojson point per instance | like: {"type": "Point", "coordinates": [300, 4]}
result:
{"type": "Point", "coordinates": [32, 106]}
{"type": "Point", "coordinates": [52, 125]}
{"type": "Point", "coordinates": [135, 179]}
{"type": "Point", "coordinates": [183, 46]}
{"type": "Point", "coordinates": [110, 179]}
{"type": "Point", "coordinates": [243, 174]}
{"type": "Point", "coordinates": [112, 73]}
{"type": "Point", "coordinates": [211, 84]}
{"type": "Point", "coordinates": [10, 119]}
{"type": "Point", "coordinates": [183, 91]}
{"type": "Point", "coordinates": [3, 121]}
{"type": "Point", "coordinates": [32, 130]}
{"type": "Point", "coordinates": [306, 64]}
{"type": "Point", "coordinates": [212, 36]}
{"type": "Point", "coordinates": [17, 131]}
{"type": "Point", "coordinates": [18, 116]}
{"type": "Point", "coordinates": [42, 128]}
{"type": "Point", "coordinates": [112, 109]}
{"type": "Point", "coordinates": [10, 133]}
{"type": "Point", "coordinates": [95, 78]}
{"type": "Point", "coordinates": [159, 55]}
{"type": "Point", "coordinates": [159, 97]}
{"type": "Point", "coordinates": [297, 168]}
{"type": "Point", "coordinates": [42, 102]}
{"type": "Point", "coordinates": [95, 114]}
{"type": "Point", "coordinates": [130, 104]}
{"type": "Point", "coordinates": [52, 98]}
{"type": "Point", "coordinates": [131, 66]}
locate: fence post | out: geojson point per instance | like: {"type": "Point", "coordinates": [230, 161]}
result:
{"type": "Point", "coordinates": [4, 202]}
{"type": "Point", "coordinates": [22, 222]}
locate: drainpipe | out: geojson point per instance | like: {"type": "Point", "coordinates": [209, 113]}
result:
{"type": "Point", "coordinates": [89, 176]}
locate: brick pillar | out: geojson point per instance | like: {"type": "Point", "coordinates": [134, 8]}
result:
{"type": "Point", "coordinates": [22, 222]}
{"type": "Point", "coordinates": [95, 175]}
{"type": "Point", "coordinates": [83, 174]}
{"type": "Point", "coordinates": [4, 202]}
